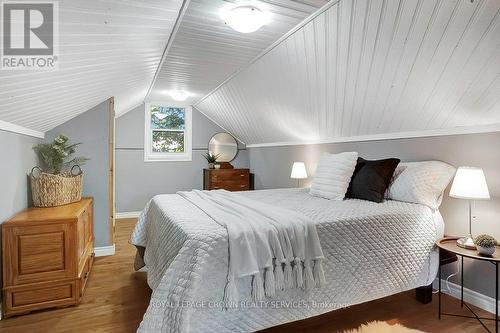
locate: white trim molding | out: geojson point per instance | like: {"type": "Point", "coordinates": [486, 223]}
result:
{"type": "Point", "coordinates": [389, 136]}
{"type": "Point", "coordinates": [103, 251]}
{"type": "Point", "coordinates": [470, 296]}
{"type": "Point", "coordinates": [9, 127]}
{"type": "Point", "coordinates": [127, 215]}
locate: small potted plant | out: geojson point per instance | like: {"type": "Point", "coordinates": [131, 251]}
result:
{"type": "Point", "coordinates": [211, 159]}
{"type": "Point", "coordinates": [485, 244]}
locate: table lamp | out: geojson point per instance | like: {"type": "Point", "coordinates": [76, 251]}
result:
{"type": "Point", "coordinates": [470, 184]}
{"type": "Point", "coordinates": [298, 172]}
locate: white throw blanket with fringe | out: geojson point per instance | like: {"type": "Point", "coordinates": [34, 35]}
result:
{"type": "Point", "coordinates": [280, 248]}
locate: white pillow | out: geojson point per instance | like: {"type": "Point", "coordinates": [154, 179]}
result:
{"type": "Point", "coordinates": [333, 175]}
{"type": "Point", "coordinates": [420, 182]}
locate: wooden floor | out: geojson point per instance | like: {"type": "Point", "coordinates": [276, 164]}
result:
{"type": "Point", "coordinates": [117, 297]}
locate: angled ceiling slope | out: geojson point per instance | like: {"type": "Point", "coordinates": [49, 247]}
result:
{"type": "Point", "coordinates": [107, 48]}
{"type": "Point", "coordinates": [370, 68]}
{"type": "Point", "coordinates": [205, 51]}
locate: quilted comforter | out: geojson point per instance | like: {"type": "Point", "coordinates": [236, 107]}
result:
{"type": "Point", "coordinates": [371, 251]}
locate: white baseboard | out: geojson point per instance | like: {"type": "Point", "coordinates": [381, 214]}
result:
{"type": "Point", "coordinates": [103, 251]}
{"type": "Point", "coordinates": [128, 215]}
{"type": "Point", "coordinates": [470, 296]}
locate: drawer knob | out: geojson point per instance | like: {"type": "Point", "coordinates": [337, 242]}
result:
{"type": "Point", "coordinates": [242, 185]}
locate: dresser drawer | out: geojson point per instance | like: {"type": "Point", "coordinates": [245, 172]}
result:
{"type": "Point", "coordinates": [229, 175]}
{"type": "Point", "coordinates": [231, 185]}
{"type": "Point", "coordinates": [25, 298]}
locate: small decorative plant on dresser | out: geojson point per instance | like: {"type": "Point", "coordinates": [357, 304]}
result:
{"type": "Point", "coordinates": [47, 254]}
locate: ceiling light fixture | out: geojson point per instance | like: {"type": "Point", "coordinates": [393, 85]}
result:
{"type": "Point", "coordinates": [179, 95]}
{"type": "Point", "coordinates": [245, 19]}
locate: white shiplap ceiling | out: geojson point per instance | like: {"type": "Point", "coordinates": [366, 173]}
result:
{"type": "Point", "coordinates": [354, 69]}
{"type": "Point", "coordinates": [107, 48]}
{"type": "Point", "coordinates": [370, 68]}
{"type": "Point", "coordinates": [205, 51]}
{"type": "Point", "coordinates": [115, 47]}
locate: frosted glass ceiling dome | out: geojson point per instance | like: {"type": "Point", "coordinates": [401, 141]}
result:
{"type": "Point", "coordinates": [245, 19]}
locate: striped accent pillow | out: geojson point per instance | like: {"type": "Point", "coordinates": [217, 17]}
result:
{"type": "Point", "coordinates": [333, 175]}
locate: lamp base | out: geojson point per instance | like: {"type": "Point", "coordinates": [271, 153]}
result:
{"type": "Point", "coordinates": [466, 243]}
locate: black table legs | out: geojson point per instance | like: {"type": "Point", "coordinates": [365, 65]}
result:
{"type": "Point", "coordinates": [439, 283]}
{"type": "Point", "coordinates": [462, 303]}
{"type": "Point", "coordinates": [462, 283]}
{"type": "Point", "coordinates": [496, 296]}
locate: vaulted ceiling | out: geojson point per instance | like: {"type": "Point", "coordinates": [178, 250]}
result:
{"type": "Point", "coordinates": [353, 69]}
{"type": "Point", "coordinates": [205, 51]}
{"type": "Point", "coordinates": [366, 68]}
{"type": "Point", "coordinates": [107, 48]}
{"type": "Point", "coordinates": [117, 48]}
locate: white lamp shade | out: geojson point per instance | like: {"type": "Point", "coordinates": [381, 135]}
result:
{"type": "Point", "coordinates": [469, 183]}
{"type": "Point", "coordinates": [298, 171]}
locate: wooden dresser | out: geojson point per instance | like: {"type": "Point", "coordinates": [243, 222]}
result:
{"type": "Point", "coordinates": [227, 179]}
{"type": "Point", "coordinates": [47, 256]}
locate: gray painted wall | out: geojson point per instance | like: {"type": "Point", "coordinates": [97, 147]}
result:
{"type": "Point", "coordinates": [138, 181]}
{"type": "Point", "coordinates": [18, 158]}
{"type": "Point", "coordinates": [91, 128]}
{"type": "Point", "coordinates": [272, 166]}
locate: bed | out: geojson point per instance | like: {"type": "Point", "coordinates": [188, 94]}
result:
{"type": "Point", "coordinates": [371, 250]}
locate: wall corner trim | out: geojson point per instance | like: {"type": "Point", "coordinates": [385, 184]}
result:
{"type": "Point", "coordinates": [9, 127]}
{"type": "Point", "coordinates": [103, 251]}
{"type": "Point", "coordinates": [128, 215]}
{"type": "Point", "coordinates": [470, 296]}
{"type": "Point", "coordinates": [462, 130]}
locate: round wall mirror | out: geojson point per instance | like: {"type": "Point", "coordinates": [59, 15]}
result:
{"type": "Point", "coordinates": [224, 145]}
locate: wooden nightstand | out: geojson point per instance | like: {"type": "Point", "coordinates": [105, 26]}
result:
{"type": "Point", "coordinates": [227, 179]}
{"type": "Point", "coordinates": [47, 257]}
{"type": "Point", "coordinates": [449, 245]}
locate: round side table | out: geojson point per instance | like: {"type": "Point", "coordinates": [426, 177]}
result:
{"type": "Point", "coordinates": [450, 244]}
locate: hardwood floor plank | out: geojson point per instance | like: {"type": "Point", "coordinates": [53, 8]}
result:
{"type": "Point", "coordinates": [117, 297]}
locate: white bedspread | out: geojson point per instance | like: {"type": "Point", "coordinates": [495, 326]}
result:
{"type": "Point", "coordinates": [371, 250]}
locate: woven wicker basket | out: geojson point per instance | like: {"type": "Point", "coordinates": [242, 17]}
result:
{"type": "Point", "coordinates": [50, 190]}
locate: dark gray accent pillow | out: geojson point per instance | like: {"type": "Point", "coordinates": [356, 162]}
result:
{"type": "Point", "coordinates": [371, 179]}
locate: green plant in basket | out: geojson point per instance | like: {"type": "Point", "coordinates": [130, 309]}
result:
{"type": "Point", "coordinates": [57, 157]}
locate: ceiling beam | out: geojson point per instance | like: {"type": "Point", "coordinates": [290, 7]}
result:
{"type": "Point", "coordinates": [10, 127]}
{"type": "Point", "coordinates": [182, 11]}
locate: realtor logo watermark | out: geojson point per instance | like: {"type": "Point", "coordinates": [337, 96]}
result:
{"type": "Point", "coordinates": [29, 35]}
